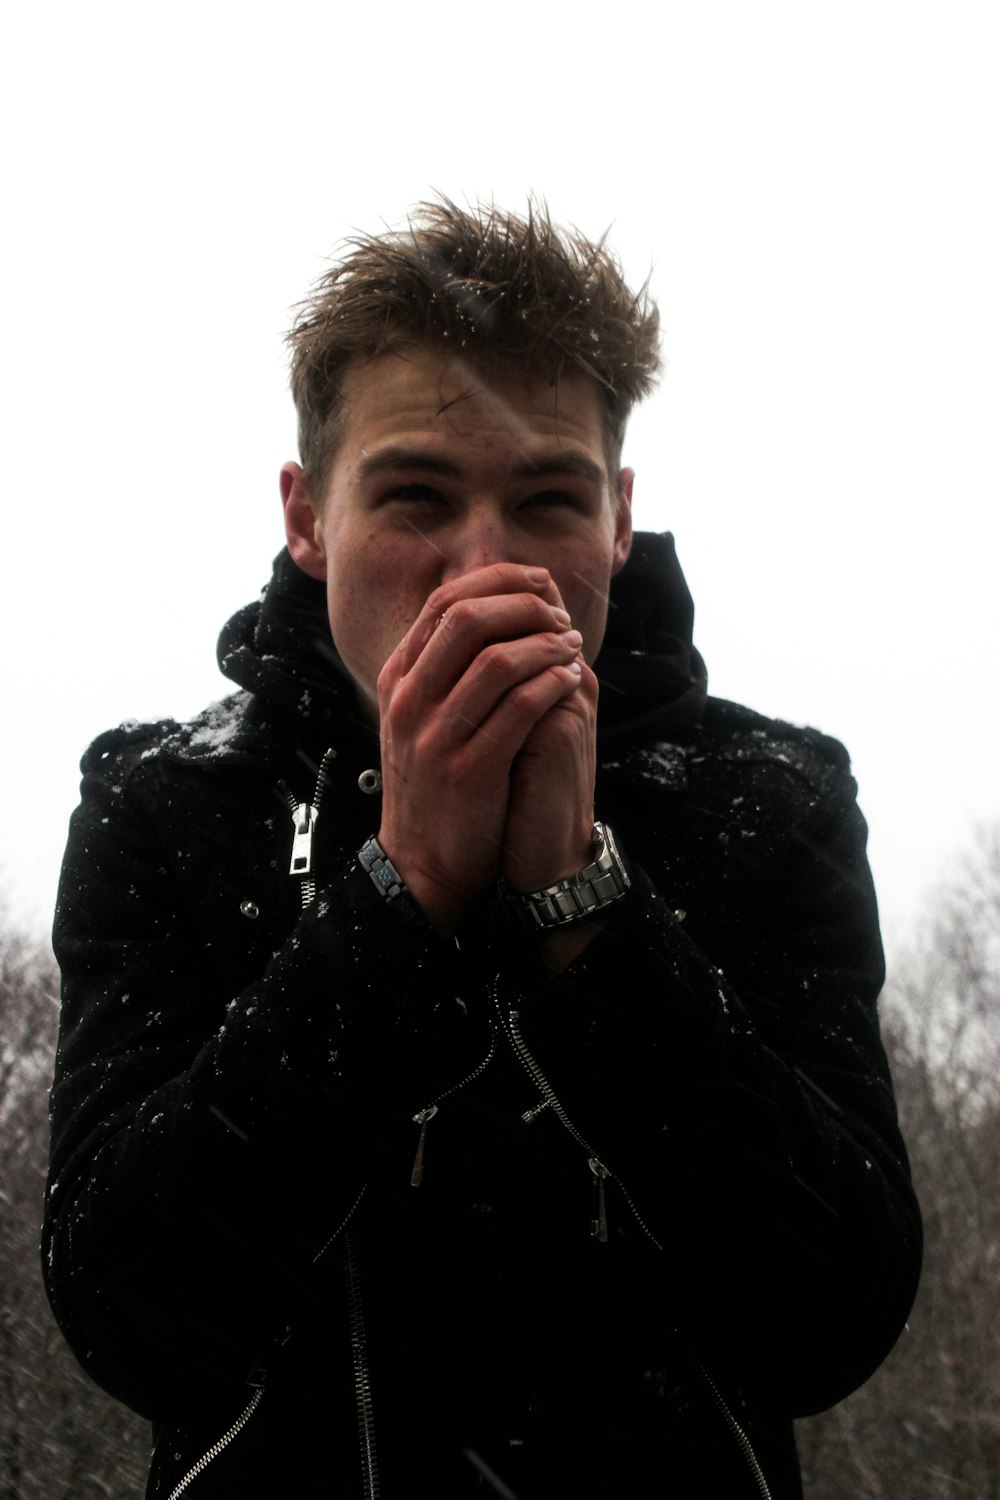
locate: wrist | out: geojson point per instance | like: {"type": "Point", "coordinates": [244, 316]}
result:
{"type": "Point", "coordinates": [596, 885]}
{"type": "Point", "coordinates": [387, 880]}
{"type": "Point", "coordinates": [547, 857]}
{"type": "Point", "coordinates": [416, 891]}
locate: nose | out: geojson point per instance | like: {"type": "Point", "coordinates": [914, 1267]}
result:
{"type": "Point", "coordinates": [478, 541]}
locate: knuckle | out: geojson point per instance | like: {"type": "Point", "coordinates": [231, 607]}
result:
{"type": "Point", "coordinates": [455, 618]}
{"type": "Point", "coordinates": [386, 680]}
{"type": "Point", "coordinates": [454, 592]}
{"type": "Point", "coordinates": [396, 706]}
{"type": "Point", "coordinates": [498, 660]}
{"type": "Point", "coordinates": [565, 731]}
{"type": "Point", "coordinates": [506, 574]}
{"type": "Point", "coordinates": [534, 694]}
{"type": "Point", "coordinates": [532, 610]}
{"type": "Point", "coordinates": [440, 599]}
{"type": "Point", "coordinates": [460, 613]}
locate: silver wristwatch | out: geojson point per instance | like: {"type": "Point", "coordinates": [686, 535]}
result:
{"type": "Point", "coordinates": [595, 886]}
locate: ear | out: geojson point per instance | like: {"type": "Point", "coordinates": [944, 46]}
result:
{"type": "Point", "coordinates": [303, 523]}
{"type": "Point", "coordinates": [623, 521]}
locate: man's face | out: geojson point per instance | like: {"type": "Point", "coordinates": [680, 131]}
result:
{"type": "Point", "coordinates": [439, 472]}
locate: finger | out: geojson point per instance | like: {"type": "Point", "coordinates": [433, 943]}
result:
{"type": "Point", "coordinates": [458, 701]}
{"type": "Point", "coordinates": [505, 730]}
{"type": "Point", "coordinates": [501, 668]}
{"type": "Point", "coordinates": [474, 626]}
{"type": "Point", "coordinates": [495, 580]}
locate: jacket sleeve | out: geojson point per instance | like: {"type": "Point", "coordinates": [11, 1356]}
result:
{"type": "Point", "coordinates": [208, 1142]}
{"type": "Point", "coordinates": [745, 1112]}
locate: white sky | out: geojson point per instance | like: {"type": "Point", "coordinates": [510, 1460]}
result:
{"type": "Point", "coordinates": [816, 189]}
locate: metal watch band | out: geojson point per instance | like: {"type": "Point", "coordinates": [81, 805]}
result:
{"type": "Point", "coordinates": [387, 879]}
{"type": "Point", "coordinates": [594, 887]}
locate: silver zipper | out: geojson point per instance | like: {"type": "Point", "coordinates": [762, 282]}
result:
{"type": "Point", "coordinates": [424, 1116]}
{"type": "Point", "coordinates": [217, 1447]}
{"type": "Point", "coordinates": [599, 1225]}
{"type": "Point", "coordinates": [304, 816]}
{"type": "Point", "coordinates": [599, 1217]}
{"type": "Point", "coordinates": [362, 1376]}
{"type": "Point", "coordinates": [341, 1226]}
{"type": "Point", "coordinates": [599, 1222]}
{"type": "Point", "coordinates": [743, 1442]}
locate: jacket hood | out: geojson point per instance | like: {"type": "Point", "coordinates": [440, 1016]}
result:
{"type": "Point", "coordinates": [653, 680]}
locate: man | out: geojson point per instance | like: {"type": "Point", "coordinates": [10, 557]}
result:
{"type": "Point", "coordinates": [414, 1132]}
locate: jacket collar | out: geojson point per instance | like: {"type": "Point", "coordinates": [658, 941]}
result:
{"type": "Point", "coordinates": [279, 649]}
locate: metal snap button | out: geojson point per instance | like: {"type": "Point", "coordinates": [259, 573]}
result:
{"type": "Point", "coordinates": [370, 782]}
{"type": "Point", "coordinates": [250, 909]}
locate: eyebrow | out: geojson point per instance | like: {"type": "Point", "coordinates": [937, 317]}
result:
{"type": "Point", "coordinates": [576, 464]}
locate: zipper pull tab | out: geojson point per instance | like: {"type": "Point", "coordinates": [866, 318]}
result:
{"type": "Point", "coordinates": [422, 1119]}
{"type": "Point", "coordinates": [304, 820]}
{"type": "Point", "coordinates": [599, 1223]}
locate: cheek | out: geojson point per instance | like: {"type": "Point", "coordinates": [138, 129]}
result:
{"type": "Point", "coordinates": [371, 607]}
{"type": "Point", "coordinates": [586, 597]}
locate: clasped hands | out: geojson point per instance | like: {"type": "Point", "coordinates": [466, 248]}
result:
{"type": "Point", "coordinates": [488, 718]}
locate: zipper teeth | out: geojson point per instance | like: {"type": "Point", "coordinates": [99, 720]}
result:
{"type": "Point", "coordinates": [469, 1077]}
{"type": "Point", "coordinates": [424, 1116]}
{"type": "Point", "coordinates": [540, 1080]}
{"type": "Point", "coordinates": [355, 1307]}
{"type": "Point", "coordinates": [322, 776]}
{"type": "Point", "coordinates": [635, 1212]}
{"type": "Point", "coordinates": [356, 1315]}
{"type": "Point", "coordinates": [341, 1226]}
{"type": "Point", "coordinates": [743, 1442]}
{"type": "Point", "coordinates": [362, 1375]}
{"type": "Point", "coordinates": [536, 1075]}
{"type": "Point", "coordinates": [307, 883]}
{"type": "Point", "coordinates": [217, 1447]}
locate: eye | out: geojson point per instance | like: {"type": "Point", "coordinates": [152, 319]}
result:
{"type": "Point", "coordinates": [552, 498]}
{"type": "Point", "coordinates": [418, 492]}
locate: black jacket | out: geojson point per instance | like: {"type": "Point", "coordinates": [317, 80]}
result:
{"type": "Point", "coordinates": [664, 1204]}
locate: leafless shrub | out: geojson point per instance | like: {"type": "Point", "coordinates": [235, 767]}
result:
{"type": "Point", "coordinates": [928, 1424]}
{"type": "Point", "coordinates": [60, 1437]}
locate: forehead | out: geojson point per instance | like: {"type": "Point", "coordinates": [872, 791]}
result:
{"type": "Point", "coordinates": [437, 400]}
